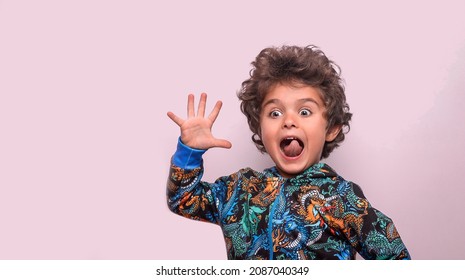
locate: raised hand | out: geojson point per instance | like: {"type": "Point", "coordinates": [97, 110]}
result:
{"type": "Point", "coordinates": [196, 129]}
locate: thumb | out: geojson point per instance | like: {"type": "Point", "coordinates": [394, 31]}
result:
{"type": "Point", "coordinates": [221, 143]}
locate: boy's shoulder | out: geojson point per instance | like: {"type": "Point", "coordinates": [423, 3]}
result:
{"type": "Point", "coordinates": [248, 172]}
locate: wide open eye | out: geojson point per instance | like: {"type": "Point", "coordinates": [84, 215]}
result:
{"type": "Point", "coordinates": [305, 112]}
{"type": "Point", "coordinates": [275, 114]}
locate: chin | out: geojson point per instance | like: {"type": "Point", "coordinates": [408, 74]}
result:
{"type": "Point", "coordinates": [290, 172]}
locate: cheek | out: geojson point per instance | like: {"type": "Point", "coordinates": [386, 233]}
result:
{"type": "Point", "coordinates": [318, 128]}
{"type": "Point", "coordinates": [266, 134]}
{"type": "Point", "coordinates": [265, 137]}
{"type": "Point", "coordinates": [263, 127]}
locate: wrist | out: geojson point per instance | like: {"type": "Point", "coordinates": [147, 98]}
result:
{"type": "Point", "coordinates": [187, 157]}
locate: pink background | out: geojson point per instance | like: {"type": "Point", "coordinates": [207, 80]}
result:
{"type": "Point", "coordinates": [85, 142]}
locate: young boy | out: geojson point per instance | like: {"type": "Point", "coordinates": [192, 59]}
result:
{"type": "Point", "coordinates": [301, 208]}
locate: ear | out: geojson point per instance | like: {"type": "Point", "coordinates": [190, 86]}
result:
{"type": "Point", "coordinates": [333, 132]}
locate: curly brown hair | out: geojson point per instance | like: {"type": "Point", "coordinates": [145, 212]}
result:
{"type": "Point", "coordinates": [295, 65]}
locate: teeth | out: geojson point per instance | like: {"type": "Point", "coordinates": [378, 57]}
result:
{"type": "Point", "coordinates": [289, 139]}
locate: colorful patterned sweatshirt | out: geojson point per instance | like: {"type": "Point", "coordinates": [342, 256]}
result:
{"type": "Point", "coordinates": [315, 215]}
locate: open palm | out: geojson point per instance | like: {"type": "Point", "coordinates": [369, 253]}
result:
{"type": "Point", "coordinates": [196, 129]}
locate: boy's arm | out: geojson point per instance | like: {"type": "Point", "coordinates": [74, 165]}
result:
{"type": "Point", "coordinates": [372, 233]}
{"type": "Point", "coordinates": [187, 195]}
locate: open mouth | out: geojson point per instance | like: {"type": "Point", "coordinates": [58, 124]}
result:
{"type": "Point", "coordinates": [292, 146]}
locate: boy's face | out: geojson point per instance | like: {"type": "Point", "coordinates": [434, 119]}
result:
{"type": "Point", "coordinates": [293, 127]}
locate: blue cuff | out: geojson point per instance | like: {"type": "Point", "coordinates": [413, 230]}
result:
{"type": "Point", "coordinates": [187, 157]}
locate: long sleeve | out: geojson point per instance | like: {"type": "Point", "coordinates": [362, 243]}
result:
{"type": "Point", "coordinates": [187, 195]}
{"type": "Point", "coordinates": [370, 232]}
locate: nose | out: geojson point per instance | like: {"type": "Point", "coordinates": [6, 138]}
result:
{"type": "Point", "coordinates": [289, 121]}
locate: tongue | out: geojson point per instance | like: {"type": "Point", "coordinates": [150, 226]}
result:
{"type": "Point", "coordinates": [293, 149]}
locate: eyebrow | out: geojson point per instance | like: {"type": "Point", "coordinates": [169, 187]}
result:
{"type": "Point", "coordinates": [303, 100]}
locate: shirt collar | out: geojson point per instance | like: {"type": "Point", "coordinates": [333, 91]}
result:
{"type": "Point", "coordinates": [318, 170]}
